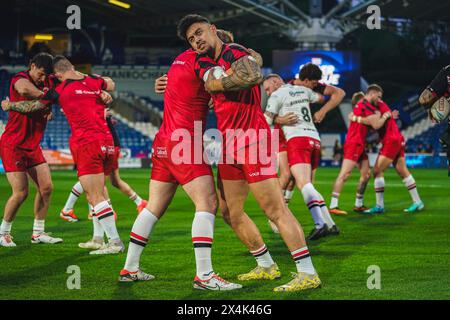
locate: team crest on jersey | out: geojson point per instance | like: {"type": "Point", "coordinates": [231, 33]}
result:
{"type": "Point", "coordinates": [295, 93]}
{"type": "Point", "coordinates": [103, 148]}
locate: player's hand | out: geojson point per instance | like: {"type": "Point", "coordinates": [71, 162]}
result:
{"type": "Point", "coordinates": [395, 114]}
{"type": "Point", "coordinates": [5, 104]}
{"type": "Point", "coordinates": [431, 117]}
{"type": "Point", "coordinates": [50, 116]}
{"type": "Point", "coordinates": [319, 116]}
{"type": "Point", "coordinates": [256, 56]}
{"type": "Point", "coordinates": [106, 97]}
{"type": "Point", "coordinates": [108, 113]}
{"type": "Point", "coordinates": [161, 84]}
{"type": "Point", "coordinates": [350, 116]}
{"type": "Point", "coordinates": [288, 119]}
{"type": "Point", "coordinates": [210, 83]}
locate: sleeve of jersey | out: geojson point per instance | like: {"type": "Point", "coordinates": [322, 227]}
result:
{"type": "Point", "coordinates": [313, 96]}
{"type": "Point", "coordinates": [320, 88]}
{"type": "Point", "coordinates": [202, 65]}
{"type": "Point", "coordinates": [439, 85]}
{"type": "Point", "coordinates": [274, 104]}
{"type": "Point", "coordinates": [234, 52]}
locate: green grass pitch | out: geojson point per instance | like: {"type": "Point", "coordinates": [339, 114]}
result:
{"type": "Point", "coordinates": [412, 250]}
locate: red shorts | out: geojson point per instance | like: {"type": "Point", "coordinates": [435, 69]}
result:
{"type": "Point", "coordinates": [355, 152]}
{"type": "Point", "coordinates": [393, 150]}
{"type": "Point", "coordinates": [20, 160]}
{"type": "Point", "coordinates": [166, 169]}
{"type": "Point", "coordinates": [251, 171]}
{"type": "Point", "coordinates": [304, 150]}
{"type": "Point", "coordinates": [94, 157]}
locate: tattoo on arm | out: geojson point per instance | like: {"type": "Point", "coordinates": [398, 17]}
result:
{"type": "Point", "coordinates": [427, 98]}
{"type": "Point", "coordinates": [27, 106]}
{"type": "Point", "coordinates": [246, 74]}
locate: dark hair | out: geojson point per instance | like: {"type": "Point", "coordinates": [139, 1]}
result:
{"type": "Point", "coordinates": [374, 87]}
{"type": "Point", "coordinates": [225, 36]}
{"type": "Point", "coordinates": [43, 60]}
{"type": "Point", "coordinates": [61, 64]}
{"type": "Point", "coordinates": [310, 71]}
{"type": "Point", "coordinates": [187, 21]}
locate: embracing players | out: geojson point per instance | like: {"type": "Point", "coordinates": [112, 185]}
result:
{"type": "Point", "coordinates": [380, 117]}
{"type": "Point", "coordinates": [20, 150]}
{"type": "Point", "coordinates": [237, 104]}
{"type": "Point", "coordinates": [303, 145]}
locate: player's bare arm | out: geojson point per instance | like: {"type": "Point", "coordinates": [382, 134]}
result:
{"type": "Point", "coordinates": [27, 106]}
{"type": "Point", "coordinates": [161, 84]}
{"type": "Point", "coordinates": [336, 96]}
{"type": "Point", "coordinates": [427, 98]}
{"type": "Point", "coordinates": [245, 74]}
{"type": "Point", "coordinates": [256, 56]}
{"type": "Point", "coordinates": [286, 120]}
{"type": "Point", "coordinates": [27, 89]}
{"type": "Point", "coordinates": [110, 85]}
{"type": "Point", "coordinates": [376, 121]}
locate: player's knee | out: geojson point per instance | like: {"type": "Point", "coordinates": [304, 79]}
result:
{"type": "Point", "coordinates": [20, 195]}
{"type": "Point", "coordinates": [46, 190]}
{"type": "Point", "coordinates": [225, 215]}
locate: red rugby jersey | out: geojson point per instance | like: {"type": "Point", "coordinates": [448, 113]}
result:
{"type": "Point", "coordinates": [84, 109]}
{"type": "Point", "coordinates": [357, 132]}
{"type": "Point", "coordinates": [25, 131]}
{"type": "Point", "coordinates": [185, 98]}
{"type": "Point", "coordinates": [390, 131]}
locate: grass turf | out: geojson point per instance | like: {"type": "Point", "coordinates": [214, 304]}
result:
{"type": "Point", "coordinates": [412, 250]}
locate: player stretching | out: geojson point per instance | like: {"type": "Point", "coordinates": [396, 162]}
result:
{"type": "Point", "coordinates": [237, 104]}
{"type": "Point", "coordinates": [303, 145]}
{"type": "Point", "coordinates": [185, 105]}
{"type": "Point", "coordinates": [392, 152]}
{"type": "Point", "coordinates": [354, 155]}
{"type": "Point", "coordinates": [20, 150]}
{"type": "Point", "coordinates": [67, 212]}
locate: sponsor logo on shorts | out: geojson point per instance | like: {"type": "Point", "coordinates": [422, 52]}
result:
{"type": "Point", "coordinates": [253, 174]}
{"type": "Point", "coordinates": [161, 152]}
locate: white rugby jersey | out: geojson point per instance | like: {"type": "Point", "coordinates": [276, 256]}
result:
{"type": "Point", "coordinates": [296, 99]}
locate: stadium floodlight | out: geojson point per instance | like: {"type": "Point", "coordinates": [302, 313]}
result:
{"type": "Point", "coordinates": [120, 4]}
{"type": "Point", "coordinates": [47, 37]}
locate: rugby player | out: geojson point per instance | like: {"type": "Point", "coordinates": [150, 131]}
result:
{"type": "Point", "coordinates": [20, 150]}
{"type": "Point", "coordinates": [185, 105]}
{"type": "Point", "coordinates": [237, 104]}
{"type": "Point", "coordinates": [392, 151]}
{"type": "Point", "coordinates": [303, 145]}
{"type": "Point", "coordinates": [350, 161]}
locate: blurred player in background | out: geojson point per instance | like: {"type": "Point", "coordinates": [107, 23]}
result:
{"type": "Point", "coordinates": [237, 104]}
{"type": "Point", "coordinates": [20, 150]}
{"type": "Point", "coordinates": [68, 214]}
{"type": "Point", "coordinates": [303, 145]}
{"type": "Point", "coordinates": [392, 151]}
{"type": "Point", "coordinates": [350, 161]}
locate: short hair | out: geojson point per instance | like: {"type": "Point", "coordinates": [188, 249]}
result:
{"type": "Point", "coordinates": [187, 21]}
{"type": "Point", "coordinates": [310, 71]}
{"type": "Point", "coordinates": [225, 36]}
{"type": "Point", "coordinates": [272, 75]}
{"type": "Point", "coordinates": [62, 64]}
{"type": "Point", "coordinates": [43, 60]}
{"type": "Point", "coordinates": [374, 87]}
{"type": "Point", "coordinates": [356, 97]}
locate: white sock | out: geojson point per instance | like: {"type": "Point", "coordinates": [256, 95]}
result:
{"type": "Point", "coordinates": [142, 227]}
{"type": "Point", "coordinates": [359, 200]}
{"type": "Point", "coordinates": [379, 191]}
{"type": "Point", "coordinates": [105, 215]}
{"type": "Point", "coordinates": [288, 195]}
{"type": "Point", "coordinates": [410, 184]}
{"type": "Point", "coordinates": [38, 227]}
{"type": "Point", "coordinates": [312, 200]}
{"type": "Point", "coordinates": [303, 261]}
{"type": "Point", "coordinates": [77, 190]}
{"type": "Point", "coordinates": [263, 257]}
{"type": "Point", "coordinates": [137, 200]}
{"type": "Point", "coordinates": [334, 200]}
{"type": "Point", "coordinates": [325, 213]}
{"type": "Point", "coordinates": [202, 238]}
{"type": "Point", "coordinates": [5, 227]}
